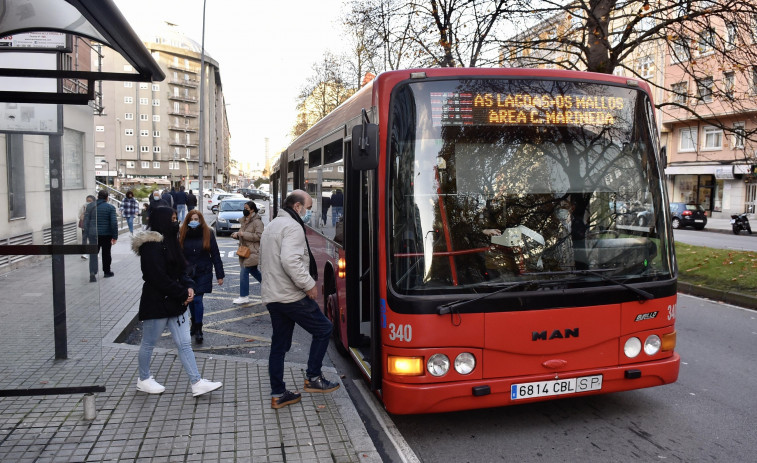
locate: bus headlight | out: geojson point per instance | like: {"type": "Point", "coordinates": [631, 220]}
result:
{"type": "Point", "coordinates": [465, 363]}
{"type": "Point", "coordinates": [632, 347]}
{"type": "Point", "coordinates": [438, 365]}
{"type": "Point", "coordinates": [652, 345]}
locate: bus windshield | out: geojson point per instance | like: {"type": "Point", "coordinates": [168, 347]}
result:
{"type": "Point", "coordinates": [495, 181]}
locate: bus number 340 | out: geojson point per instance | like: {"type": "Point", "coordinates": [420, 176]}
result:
{"type": "Point", "coordinates": [403, 333]}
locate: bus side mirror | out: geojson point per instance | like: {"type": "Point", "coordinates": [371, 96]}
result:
{"type": "Point", "coordinates": [364, 155]}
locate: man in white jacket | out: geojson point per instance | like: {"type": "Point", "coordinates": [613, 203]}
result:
{"type": "Point", "coordinates": [288, 290]}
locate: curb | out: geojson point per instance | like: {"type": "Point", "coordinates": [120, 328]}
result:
{"type": "Point", "coordinates": [728, 297]}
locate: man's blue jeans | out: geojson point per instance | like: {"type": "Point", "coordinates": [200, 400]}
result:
{"type": "Point", "coordinates": [179, 328]}
{"type": "Point", "coordinates": [197, 308]}
{"type": "Point", "coordinates": [130, 223]}
{"type": "Point", "coordinates": [308, 315]}
{"type": "Point", "coordinates": [244, 279]}
{"type": "Point", "coordinates": [181, 212]}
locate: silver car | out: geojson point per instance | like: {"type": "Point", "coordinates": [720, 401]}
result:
{"type": "Point", "coordinates": [229, 214]}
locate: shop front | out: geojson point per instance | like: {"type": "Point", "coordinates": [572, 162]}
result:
{"type": "Point", "coordinates": [721, 190]}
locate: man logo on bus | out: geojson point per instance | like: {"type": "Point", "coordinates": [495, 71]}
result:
{"type": "Point", "coordinates": [556, 334]}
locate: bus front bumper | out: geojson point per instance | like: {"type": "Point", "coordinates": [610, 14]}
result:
{"type": "Point", "coordinates": [403, 398]}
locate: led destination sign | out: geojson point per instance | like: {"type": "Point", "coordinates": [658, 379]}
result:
{"type": "Point", "coordinates": [459, 108]}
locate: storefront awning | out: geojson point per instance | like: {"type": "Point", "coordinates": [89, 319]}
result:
{"type": "Point", "coordinates": [99, 20]}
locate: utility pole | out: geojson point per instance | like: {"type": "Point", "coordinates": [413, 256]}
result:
{"type": "Point", "coordinates": [202, 107]}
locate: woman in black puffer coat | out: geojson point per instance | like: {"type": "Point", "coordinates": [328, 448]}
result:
{"type": "Point", "coordinates": [165, 295]}
{"type": "Point", "coordinates": [202, 254]}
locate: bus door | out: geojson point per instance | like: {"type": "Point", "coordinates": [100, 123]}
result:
{"type": "Point", "coordinates": [363, 337]}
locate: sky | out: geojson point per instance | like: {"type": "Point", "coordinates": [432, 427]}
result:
{"type": "Point", "coordinates": [265, 51]}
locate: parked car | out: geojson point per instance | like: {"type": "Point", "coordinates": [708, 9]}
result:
{"type": "Point", "coordinates": [687, 215]}
{"type": "Point", "coordinates": [229, 212]}
{"type": "Point", "coordinates": [212, 203]}
{"type": "Point", "coordinates": [216, 191]}
{"type": "Point", "coordinates": [257, 194]}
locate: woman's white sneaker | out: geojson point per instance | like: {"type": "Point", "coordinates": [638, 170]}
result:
{"type": "Point", "coordinates": [204, 386]}
{"type": "Point", "coordinates": [241, 300]}
{"type": "Point", "coordinates": [149, 386]}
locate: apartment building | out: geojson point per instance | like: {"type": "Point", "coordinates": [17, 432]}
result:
{"type": "Point", "coordinates": [149, 133]}
{"type": "Point", "coordinates": [714, 96]}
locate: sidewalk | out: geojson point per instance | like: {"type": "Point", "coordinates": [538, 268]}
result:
{"type": "Point", "coordinates": [234, 423]}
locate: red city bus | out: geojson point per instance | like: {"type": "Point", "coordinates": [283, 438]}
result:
{"type": "Point", "coordinates": [488, 237]}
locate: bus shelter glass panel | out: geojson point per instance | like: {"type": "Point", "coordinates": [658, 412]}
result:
{"type": "Point", "coordinates": [52, 330]}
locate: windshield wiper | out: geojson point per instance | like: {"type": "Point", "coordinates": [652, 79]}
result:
{"type": "Point", "coordinates": [450, 306]}
{"type": "Point", "coordinates": [643, 295]}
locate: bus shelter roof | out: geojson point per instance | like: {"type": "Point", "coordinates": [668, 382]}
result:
{"type": "Point", "coordinates": [98, 20]}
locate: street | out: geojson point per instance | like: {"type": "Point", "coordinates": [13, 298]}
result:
{"type": "Point", "coordinates": [712, 239]}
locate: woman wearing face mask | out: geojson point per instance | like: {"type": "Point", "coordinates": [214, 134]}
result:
{"type": "Point", "coordinates": [202, 254]}
{"type": "Point", "coordinates": [165, 294]}
{"type": "Point", "coordinates": [249, 235]}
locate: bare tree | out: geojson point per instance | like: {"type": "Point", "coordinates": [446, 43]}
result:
{"type": "Point", "coordinates": [326, 89]}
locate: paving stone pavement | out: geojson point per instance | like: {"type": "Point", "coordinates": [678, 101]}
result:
{"type": "Point", "coordinates": [234, 423]}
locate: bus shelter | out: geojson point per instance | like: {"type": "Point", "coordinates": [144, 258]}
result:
{"type": "Point", "coordinates": [51, 307]}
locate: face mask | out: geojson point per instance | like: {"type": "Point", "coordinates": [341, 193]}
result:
{"type": "Point", "coordinates": [246, 212]}
{"type": "Point", "coordinates": [194, 223]}
{"type": "Point", "coordinates": [306, 217]}
{"type": "Point", "coordinates": [563, 214]}
{"type": "Point", "coordinates": [156, 197]}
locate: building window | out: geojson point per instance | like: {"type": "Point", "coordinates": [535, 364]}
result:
{"type": "Point", "coordinates": [728, 84]}
{"type": "Point", "coordinates": [754, 80]}
{"type": "Point", "coordinates": [144, 100]}
{"type": "Point", "coordinates": [155, 87]}
{"type": "Point", "coordinates": [129, 132]}
{"type": "Point", "coordinates": [156, 165]}
{"type": "Point", "coordinates": [144, 117]}
{"type": "Point", "coordinates": [704, 87]}
{"type": "Point", "coordinates": [156, 133]}
{"type": "Point", "coordinates": [731, 34]}
{"type": "Point", "coordinates": [144, 149]}
{"type": "Point", "coordinates": [738, 134]}
{"type": "Point", "coordinates": [706, 41]}
{"type": "Point", "coordinates": [128, 100]}
{"type": "Point", "coordinates": [713, 138]}
{"type": "Point", "coordinates": [156, 102]}
{"type": "Point", "coordinates": [128, 84]}
{"type": "Point", "coordinates": [156, 149]}
{"type": "Point", "coordinates": [129, 148]}
{"type": "Point", "coordinates": [130, 164]}
{"type": "Point", "coordinates": [188, 153]}
{"type": "Point", "coordinates": [681, 52]}
{"type": "Point", "coordinates": [99, 128]}
{"type": "Point", "coordinates": [155, 118]}
{"type": "Point", "coordinates": [145, 164]}
{"type": "Point", "coordinates": [100, 144]}
{"type": "Point", "coordinates": [144, 133]}
{"type": "Point", "coordinates": [680, 92]}
{"type": "Point", "coordinates": [688, 140]}
{"type": "Point", "coordinates": [173, 165]}
{"type": "Point", "coordinates": [129, 116]}
{"type": "Point", "coordinates": [645, 67]}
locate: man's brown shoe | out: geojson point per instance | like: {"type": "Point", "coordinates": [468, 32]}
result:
{"type": "Point", "coordinates": [288, 398]}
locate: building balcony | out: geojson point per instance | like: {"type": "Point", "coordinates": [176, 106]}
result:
{"type": "Point", "coordinates": [184, 113]}
{"type": "Point", "coordinates": [191, 83]}
{"type": "Point", "coordinates": [184, 144]}
{"type": "Point", "coordinates": [183, 128]}
{"type": "Point", "coordinates": [186, 98]}
{"type": "Point", "coordinates": [183, 68]}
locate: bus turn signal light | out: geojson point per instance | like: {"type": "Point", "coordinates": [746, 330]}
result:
{"type": "Point", "coordinates": [668, 341]}
{"type": "Point", "coordinates": [341, 270]}
{"type": "Point", "coordinates": [405, 366]}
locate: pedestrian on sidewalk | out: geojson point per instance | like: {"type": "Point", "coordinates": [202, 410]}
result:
{"type": "Point", "coordinates": [180, 200]}
{"type": "Point", "coordinates": [85, 237]}
{"type": "Point", "coordinates": [191, 201]}
{"type": "Point", "coordinates": [101, 224]}
{"type": "Point", "coordinates": [201, 252]}
{"type": "Point", "coordinates": [288, 289]}
{"type": "Point", "coordinates": [145, 216]}
{"type": "Point", "coordinates": [337, 206]}
{"type": "Point", "coordinates": [129, 210]}
{"type": "Point", "coordinates": [166, 292]}
{"type": "Point", "coordinates": [156, 201]}
{"type": "Point", "coordinates": [250, 231]}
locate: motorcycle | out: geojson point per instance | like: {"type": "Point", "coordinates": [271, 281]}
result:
{"type": "Point", "coordinates": [740, 222]}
